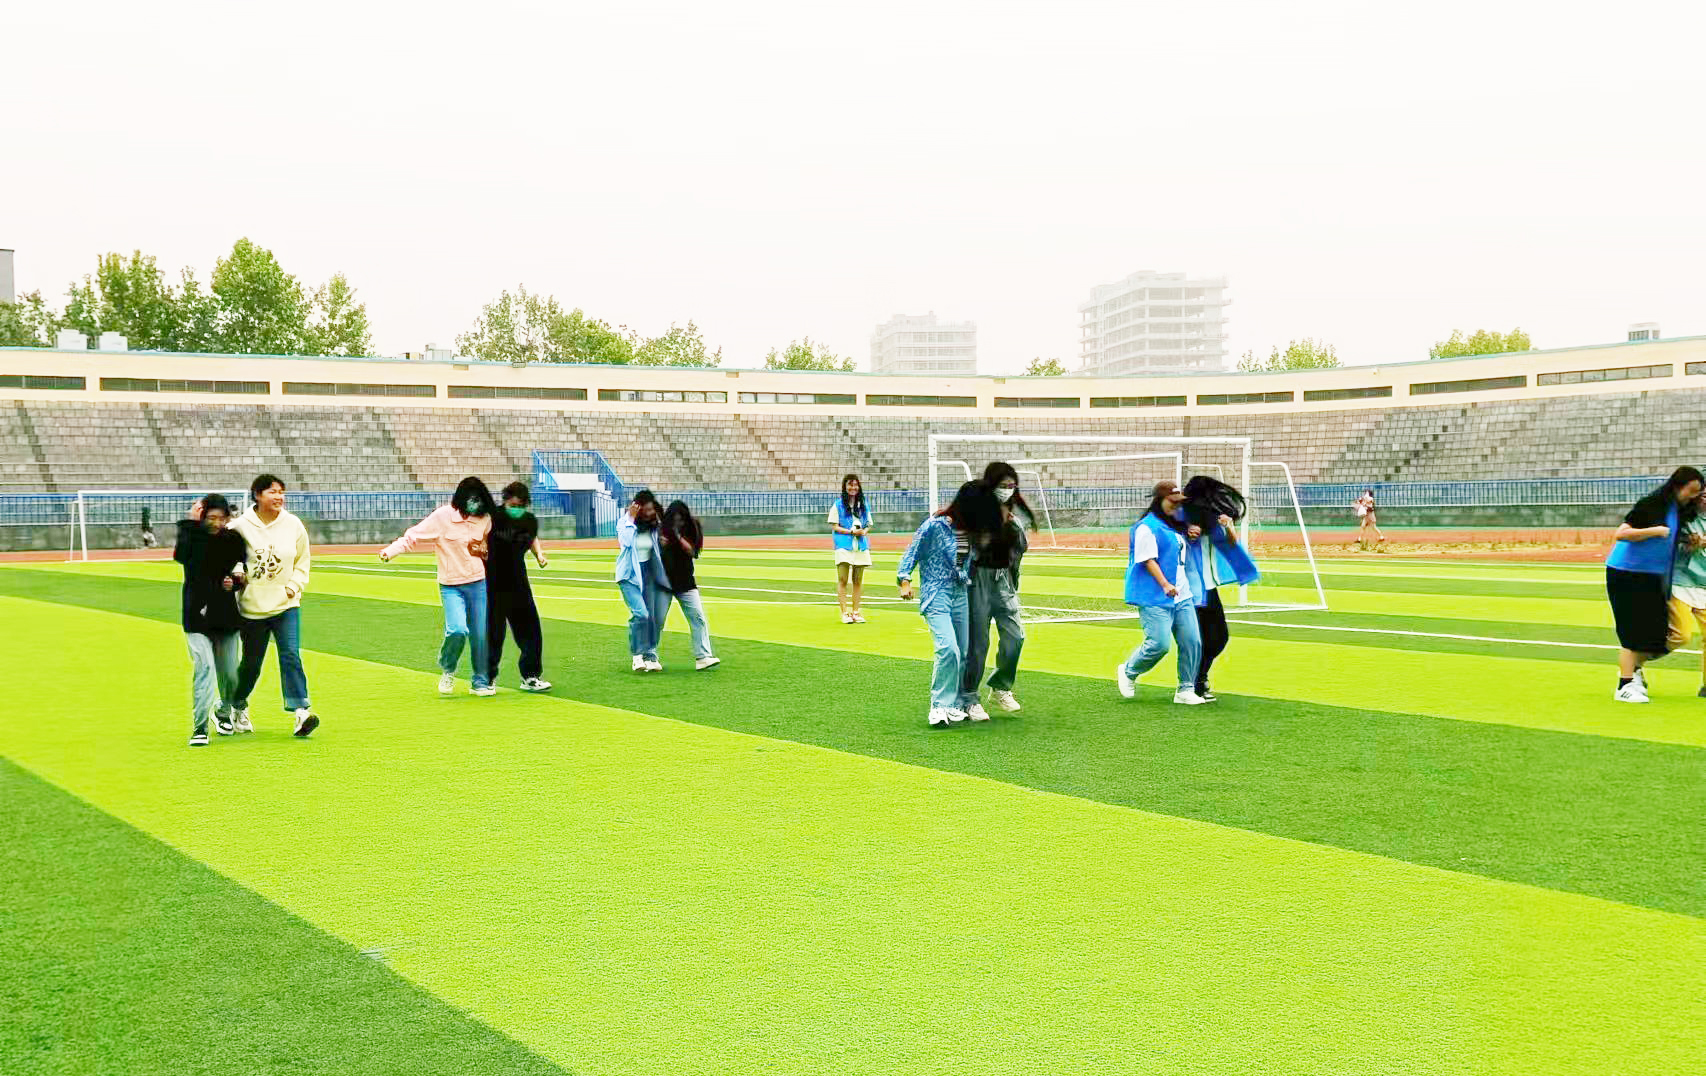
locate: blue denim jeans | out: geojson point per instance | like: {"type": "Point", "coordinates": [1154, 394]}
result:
{"type": "Point", "coordinates": [213, 675]}
{"type": "Point", "coordinates": [694, 610]}
{"type": "Point", "coordinates": [465, 608]}
{"type": "Point", "coordinates": [1163, 625]}
{"type": "Point", "coordinates": [946, 614]}
{"type": "Point", "coordinates": [286, 630]}
{"type": "Point", "coordinates": [647, 604]}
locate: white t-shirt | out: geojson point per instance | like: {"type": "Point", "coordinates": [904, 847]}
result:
{"type": "Point", "coordinates": [1144, 547]}
{"type": "Point", "coordinates": [642, 546]}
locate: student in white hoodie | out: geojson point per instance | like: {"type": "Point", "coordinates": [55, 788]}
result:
{"type": "Point", "coordinates": [271, 603]}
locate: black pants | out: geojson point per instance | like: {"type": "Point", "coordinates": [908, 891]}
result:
{"type": "Point", "coordinates": [516, 609]}
{"type": "Point", "coordinates": [1211, 622]}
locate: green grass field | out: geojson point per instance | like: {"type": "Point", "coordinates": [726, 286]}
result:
{"type": "Point", "coordinates": [1416, 835]}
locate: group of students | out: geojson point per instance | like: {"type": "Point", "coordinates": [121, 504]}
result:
{"type": "Point", "coordinates": [242, 592]}
{"type": "Point", "coordinates": [967, 557]}
{"type": "Point", "coordinates": [1655, 578]}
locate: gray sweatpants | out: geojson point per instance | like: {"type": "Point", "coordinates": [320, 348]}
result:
{"type": "Point", "coordinates": [213, 675]}
{"type": "Point", "coordinates": [992, 596]}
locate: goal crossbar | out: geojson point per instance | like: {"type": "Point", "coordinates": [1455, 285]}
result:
{"type": "Point", "coordinates": [88, 500]}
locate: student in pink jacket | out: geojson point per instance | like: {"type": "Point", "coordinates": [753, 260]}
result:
{"type": "Point", "coordinates": [457, 533]}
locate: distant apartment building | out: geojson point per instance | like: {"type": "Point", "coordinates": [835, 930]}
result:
{"type": "Point", "coordinates": [919, 344]}
{"type": "Point", "coordinates": [1154, 323]}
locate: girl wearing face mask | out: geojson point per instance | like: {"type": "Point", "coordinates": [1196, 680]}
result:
{"type": "Point", "coordinates": [639, 576]}
{"type": "Point", "coordinates": [457, 533]}
{"type": "Point", "coordinates": [212, 556]}
{"type": "Point", "coordinates": [515, 534]}
{"type": "Point", "coordinates": [994, 595]}
{"type": "Point", "coordinates": [1157, 583]}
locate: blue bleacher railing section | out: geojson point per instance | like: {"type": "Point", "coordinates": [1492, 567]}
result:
{"type": "Point", "coordinates": [596, 515]}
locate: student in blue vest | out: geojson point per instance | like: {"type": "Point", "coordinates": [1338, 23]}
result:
{"type": "Point", "coordinates": [1213, 558]}
{"type": "Point", "coordinates": [945, 549]}
{"type": "Point", "coordinates": [850, 521]}
{"type": "Point", "coordinates": [1638, 577]}
{"type": "Point", "coordinates": [1157, 583]}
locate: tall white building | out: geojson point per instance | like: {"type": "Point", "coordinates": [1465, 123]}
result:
{"type": "Point", "coordinates": [1155, 323]}
{"type": "Point", "coordinates": [919, 344]}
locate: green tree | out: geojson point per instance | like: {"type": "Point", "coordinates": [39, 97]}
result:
{"type": "Point", "coordinates": [129, 296]}
{"type": "Point", "coordinates": [680, 346]}
{"type": "Point", "coordinates": [804, 355]}
{"type": "Point", "coordinates": [29, 322]}
{"type": "Point", "coordinates": [1303, 354]}
{"type": "Point", "coordinates": [197, 326]}
{"type": "Point", "coordinates": [1480, 342]}
{"type": "Point", "coordinates": [262, 308]}
{"type": "Point", "coordinates": [525, 327]}
{"type": "Point", "coordinates": [1041, 367]}
{"type": "Point", "coordinates": [337, 323]}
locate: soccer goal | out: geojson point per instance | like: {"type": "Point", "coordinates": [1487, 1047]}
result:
{"type": "Point", "coordinates": [1102, 484]}
{"type": "Point", "coordinates": [112, 510]}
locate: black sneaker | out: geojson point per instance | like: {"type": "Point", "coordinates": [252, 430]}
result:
{"type": "Point", "coordinates": [1702, 692]}
{"type": "Point", "coordinates": [199, 740]}
{"type": "Point", "coordinates": [1205, 694]}
{"type": "Point", "coordinates": [224, 724]}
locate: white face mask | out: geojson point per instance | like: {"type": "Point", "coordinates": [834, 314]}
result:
{"type": "Point", "coordinates": [1004, 494]}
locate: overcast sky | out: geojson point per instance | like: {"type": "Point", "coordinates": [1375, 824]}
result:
{"type": "Point", "coordinates": [1373, 175]}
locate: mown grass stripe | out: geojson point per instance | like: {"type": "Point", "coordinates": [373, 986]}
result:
{"type": "Point", "coordinates": [122, 955]}
{"type": "Point", "coordinates": [1606, 817]}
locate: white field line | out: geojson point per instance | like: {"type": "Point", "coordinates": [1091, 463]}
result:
{"type": "Point", "coordinates": [823, 597]}
{"type": "Point", "coordinates": [1439, 635]}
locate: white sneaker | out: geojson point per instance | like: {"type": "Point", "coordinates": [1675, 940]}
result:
{"type": "Point", "coordinates": [533, 683]}
{"type": "Point", "coordinates": [1641, 677]}
{"type": "Point", "coordinates": [1006, 701]}
{"type": "Point", "coordinates": [938, 718]}
{"type": "Point", "coordinates": [1128, 686]}
{"type": "Point", "coordinates": [654, 666]}
{"type": "Point", "coordinates": [708, 663]}
{"type": "Point", "coordinates": [241, 720]}
{"type": "Point", "coordinates": [306, 722]}
{"type": "Point", "coordinates": [447, 683]}
{"type": "Point", "coordinates": [956, 716]}
{"type": "Point", "coordinates": [639, 663]}
{"type": "Point", "coordinates": [1633, 691]}
{"type": "Point", "coordinates": [1188, 698]}
{"type": "Point", "coordinates": [858, 618]}
{"type": "Point", "coordinates": [976, 712]}
{"type": "Point", "coordinates": [847, 618]}
{"type": "Point", "coordinates": [485, 691]}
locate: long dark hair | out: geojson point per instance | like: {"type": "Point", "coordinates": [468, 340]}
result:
{"type": "Point", "coordinates": [999, 471]}
{"type": "Point", "coordinates": [1658, 501]}
{"type": "Point", "coordinates": [678, 520]}
{"type": "Point", "coordinates": [472, 489]}
{"type": "Point", "coordinates": [974, 510]}
{"type": "Point", "coordinates": [1207, 499]}
{"type": "Point", "coordinates": [855, 505]}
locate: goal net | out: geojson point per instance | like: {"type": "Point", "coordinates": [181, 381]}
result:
{"type": "Point", "coordinates": [1086, 492]}
{"type": "Point", "coordinates": [127, 518]}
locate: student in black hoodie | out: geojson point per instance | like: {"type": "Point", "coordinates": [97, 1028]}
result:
{"type": "Point", "coordinates": [680, 538]}
{"type": "Point", "coordinates": [212, 556]}
{"type": "Point", "coordinates": [509, 595]}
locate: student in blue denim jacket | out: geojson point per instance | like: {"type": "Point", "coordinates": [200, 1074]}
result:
{"type": "Point", "coordinates": [944, 550]}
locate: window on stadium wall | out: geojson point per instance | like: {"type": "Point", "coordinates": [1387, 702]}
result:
{"type": "Point", "coordinates": [1038, 401]}
{"type": "Point", "coordinates": [42, 381]}
{"type": "Point", "coordinates": [874, 400]}
{"type": "Point", "coordinates": [1326, 395]}
{"type": "Point", "coordinates": [846, 399]}
{"type": "Point", "coordinates": [660, 396]}
{"type": "Point", "coordinates": [1696, 368]}
{"type": "Point", "coordinates": [1137, 401]}
{"type": "Point", "coordinates": [330, 388]}
{"type": "Point", "coordinates": [513, 392]}
{"type": "Point", "coordinates": [1618, 373]}
{"type": "Point", "coordinates": [1474, 384]}
{"type": "Point", "coordinates": [150, 384]}
{"type": "Point", "coordinates": [1219, 399]}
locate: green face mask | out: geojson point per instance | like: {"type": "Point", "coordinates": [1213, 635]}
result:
{"type": "Point", "coordinates": [472, 506]}
{"type": "Point", "coordinates": [514, 511]}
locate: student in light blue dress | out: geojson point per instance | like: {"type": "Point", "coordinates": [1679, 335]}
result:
{"type": "Point", "coordinates": [639, 576]}
{"type": "Point", "coordinates": [944, 550]}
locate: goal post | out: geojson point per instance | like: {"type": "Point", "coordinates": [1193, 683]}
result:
{"type": "Point", "coordinates": [121, 507]}
{"type": "Point", "coordinates": [1230, 459]}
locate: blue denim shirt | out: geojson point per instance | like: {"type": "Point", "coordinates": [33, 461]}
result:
{"type": "Point", "coordinates": [935, 551]}
{"type": "Point", "coordinates": [627, 568]}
